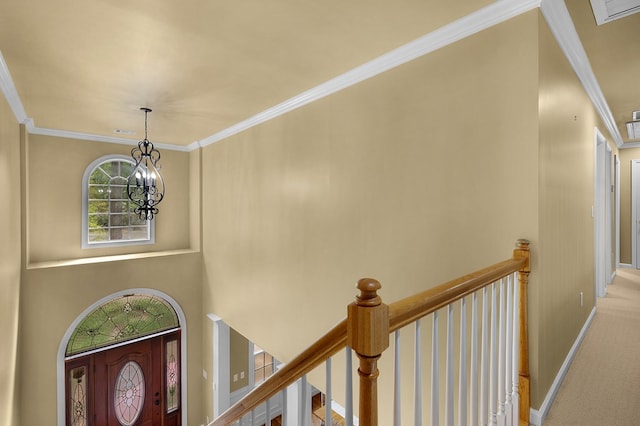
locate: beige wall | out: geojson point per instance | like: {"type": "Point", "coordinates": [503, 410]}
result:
{"type": "Point", "coordinates": [10, 252]}
{"type": "Point", "coordinates": [239, 353]}
{"type": "Point", "coordinates": [564, 257]}
{"type": "Point", "coordinates": [416, 176]}
{"type": "Point", "coordinates": [55, 169]}
{"type": "Point", "coordinates": [61, 279]}
{"type": "Point", "coordinates": [52, 298]}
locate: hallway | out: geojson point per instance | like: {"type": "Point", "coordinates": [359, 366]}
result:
{"type": "Point", "coordinates": [602, 386]}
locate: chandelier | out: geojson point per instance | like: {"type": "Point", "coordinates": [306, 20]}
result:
{"type": "Point", "coordinates": [145, 186]}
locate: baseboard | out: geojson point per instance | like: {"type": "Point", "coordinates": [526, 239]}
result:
{"type": "Point", "coordinates": [536, 417]}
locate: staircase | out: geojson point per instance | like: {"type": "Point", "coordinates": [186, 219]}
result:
{"type": "Point", "coordinates": [484, 381]}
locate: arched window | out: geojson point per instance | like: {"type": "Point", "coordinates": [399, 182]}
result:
{"type": "Point", "coordinates": [126, 318]}
{"type": "Point", "coordinates": [108, 217]}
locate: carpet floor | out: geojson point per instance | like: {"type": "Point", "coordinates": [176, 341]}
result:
{"type": "Point", "coordinates": [602, 386]}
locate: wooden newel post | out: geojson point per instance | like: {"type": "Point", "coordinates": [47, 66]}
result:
{"type": "Point", "coordinates": [368, 336]}
{"type": "Point", "coordinates": [522, 252]}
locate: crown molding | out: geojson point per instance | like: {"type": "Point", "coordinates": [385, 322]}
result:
{"type": "Point", "coordinates": [8, 88]}
{"type": "Point", "coordinates": [10, 92]}
{"type": "Point", "coordinates": [557, 16]}
{"type": "Point", "coordinates": [98, 138]}
{"type": "Point", "coordinates": [554, 12]}
{"type": "Point", "coordinates": [482, 19]}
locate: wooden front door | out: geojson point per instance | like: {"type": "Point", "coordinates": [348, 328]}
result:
{"type": "Point", "coordinates": [131, 385]}
{"type": "Point", "coordinates": [128, 385]}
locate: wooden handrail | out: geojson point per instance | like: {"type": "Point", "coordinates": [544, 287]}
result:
{"type": "Point", "coordinates": [314, 355]}
{"type": "Point", "coordinates": [412, 308]}
{"type": "Point", "coordinates": [378, 321]}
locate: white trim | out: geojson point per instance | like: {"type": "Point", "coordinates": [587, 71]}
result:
{"type": "Point", "coordinates": [557, 16]}
{"type": "Point", "coordinates": [537, 416]}
{"type": "Point", "coordinates": [98, 138]}
{"type": "Point", "coordinates": [554, 11]}
{"type": "Point", "coordinates": [10, 92]}
{"type": "Point", "coordinates": [473, 23]}
{"type": "Point", "coordinates": [60, 384]}
{"type": "Point", "coordinates": [609, 259]}
{"type": "Point", "coordinates": [630, 145]}
{"type": "Point", "coordinates": [617, 206]}
{"type": "Point", "coordinates": [220, 365]}
{"type": "Point", "coordinates": [635, 193]}
{"type": "Point", "coordinates": [469, 25]}
{"type": "Point", "coordinates": [599, 214]}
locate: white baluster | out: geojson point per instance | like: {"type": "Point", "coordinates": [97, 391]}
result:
{"type": "Point", "coordinates": [515, 397]}
{"type": "Point", "coordinates": [348, 409]}
{"type": "Point", "coordinates": [484, 362]}
{"type": "Point", "coordinates": [474, 372]}
{"type": "Point", "coordinates": [417, 382]}
{"type": "Point", "coordinates": [305, 403]}
{"type": "Point", "coordinates": [435, 373]}
{"type": "Point", "coordinates": [502, 350]}
{"type": "Point", "coordinates": [462, 379]}
{"type": "Point", "coordinates": [448, 419]}
{"type": "Point", "coordinates": [397, 401]}
{"type": "Point", "coordinates": [327, 394]}
{"type": "Point", "coordinates": [267, 412]}
{"type": "Point", "coordinates": [493, 364]}
{"type": "Point", "coordinates": [285, 414]}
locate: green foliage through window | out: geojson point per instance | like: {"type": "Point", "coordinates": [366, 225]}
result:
{"type": "Point", "coordinates": [110, 215]}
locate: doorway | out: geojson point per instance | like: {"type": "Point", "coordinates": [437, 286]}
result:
{"type": "Point", "coordinates": [120, 363]}
{"type": "Point", "coordinates": [133, 384]}
{"type": "Point", "coordinates": [603, 215]}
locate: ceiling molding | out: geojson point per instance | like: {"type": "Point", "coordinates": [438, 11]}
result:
{"type": "Point", "coordinates": [473, 23]}
{"type": "Point", "coordinates": [98, 138]}
{"type": "Point", "coordinates": [557, 16]}
{"type": "Point", "coordinates": [10, 92]}
{"type": "Point", "coordinates": [13, 99]}
{"type": "Point", "coordinates": [554, 11]}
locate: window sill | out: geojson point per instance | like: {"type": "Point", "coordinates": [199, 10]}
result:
{"type": "Point", "coordinates": [103, 259]}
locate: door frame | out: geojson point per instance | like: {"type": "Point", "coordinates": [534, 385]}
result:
{"type": "Point", "coordinates": [61, 376]}
{"type": "Point", "coordinates": [635, 197]}
{"type": "Point", "coordinates": [599, 215]}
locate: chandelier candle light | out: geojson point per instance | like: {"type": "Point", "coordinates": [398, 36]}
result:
{"type": "Point", "coordinates": [145, 186]}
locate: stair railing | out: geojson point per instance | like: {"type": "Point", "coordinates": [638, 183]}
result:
{"type": "Point", "coordinates": [493, 388]}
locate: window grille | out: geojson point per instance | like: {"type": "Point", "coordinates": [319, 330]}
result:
{"type": "Point", "coordinates": [108, 217]}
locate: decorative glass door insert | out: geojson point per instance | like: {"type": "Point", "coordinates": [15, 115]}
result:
{"type": "Point", "coordinates": [129, 393]}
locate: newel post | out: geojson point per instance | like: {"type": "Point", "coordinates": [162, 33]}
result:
{"type": "Point", "coordinates": [368, 336]}
{"type": "Point", "coordinates": [522, 252]}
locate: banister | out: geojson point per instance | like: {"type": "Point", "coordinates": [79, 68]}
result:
{"type": "Point", "coordinates": [412, 308]}
{"type": "Point", "coordinates": [400, 314]}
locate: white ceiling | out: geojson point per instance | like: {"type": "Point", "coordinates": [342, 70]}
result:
{"type": "Point", "coordinates": [209, 68]}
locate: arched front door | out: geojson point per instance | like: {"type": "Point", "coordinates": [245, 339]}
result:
{"type": "Point", "coordinates": [123, 365]}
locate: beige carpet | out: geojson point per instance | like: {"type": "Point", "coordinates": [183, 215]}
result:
{"type": "Point", "coordinates": [602, 386]}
